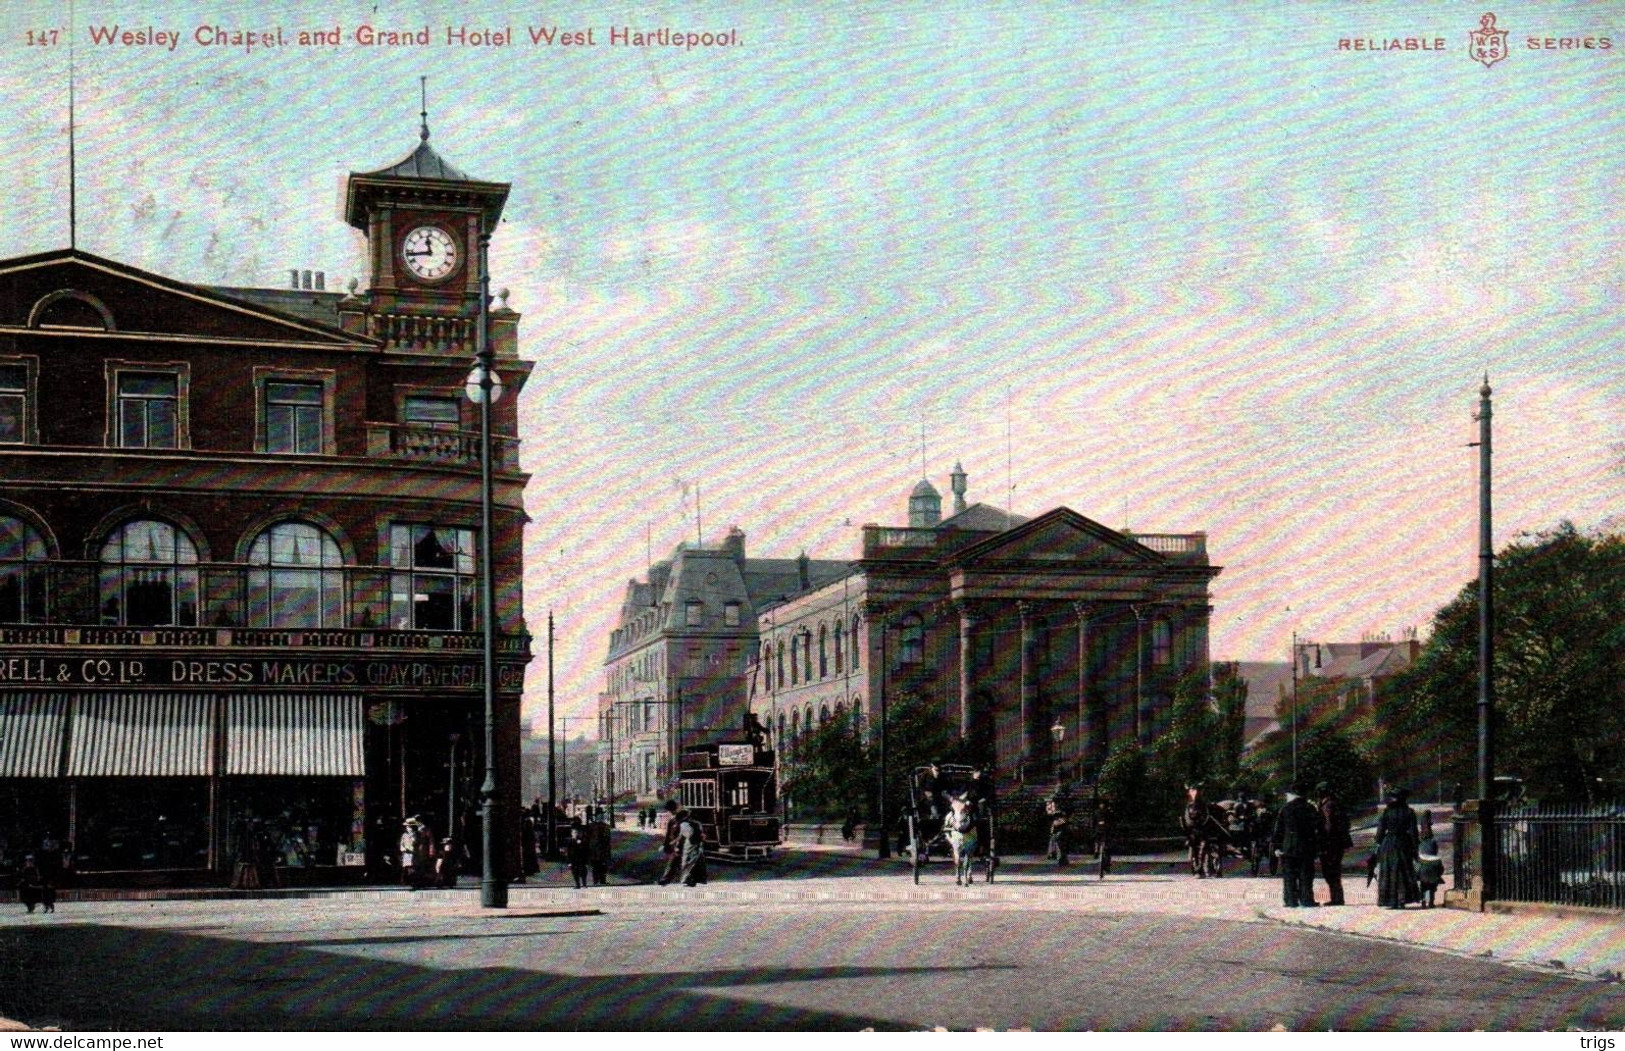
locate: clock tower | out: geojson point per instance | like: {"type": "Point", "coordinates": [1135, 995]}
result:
{"type": "Point", "coordinates": [423, 219]}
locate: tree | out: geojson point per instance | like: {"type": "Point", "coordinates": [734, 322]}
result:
{"type": "Point", "coordinates": [1559, 672]}
{"type": "Point", "coordinates": [824, 771]}
{"type": "Point", "coordinates": [1230, 701]}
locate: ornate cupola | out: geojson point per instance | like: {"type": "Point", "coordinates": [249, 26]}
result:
{"type": "Point", "coordinates": [924, 506]}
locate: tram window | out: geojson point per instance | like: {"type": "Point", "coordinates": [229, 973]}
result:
{"type": "Point", "coordinates": [741, 796]}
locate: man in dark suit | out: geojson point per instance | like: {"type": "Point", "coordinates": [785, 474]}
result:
{"type": "Point", "coordinates": [1334, 841]}
{"type": "Point", "coordinates": [1297, 841]}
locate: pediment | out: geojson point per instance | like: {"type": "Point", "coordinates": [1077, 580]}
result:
{"type": "Point", "coordinates": [1062, 538]}
{"type": "Point", "coordinates": [74, 292]}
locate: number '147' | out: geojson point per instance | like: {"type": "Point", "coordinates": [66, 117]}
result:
{"type": "Point", "coordinates": [44, 37]}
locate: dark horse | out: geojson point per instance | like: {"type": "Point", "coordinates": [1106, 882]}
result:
{"type": "Point", "coordinates": [1207, 833]}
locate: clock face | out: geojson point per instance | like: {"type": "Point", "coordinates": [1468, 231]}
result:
{"type": "Point", "coordinates": [429, 253]}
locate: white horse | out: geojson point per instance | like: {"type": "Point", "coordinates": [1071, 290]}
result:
{"type": "Point", "coordinates": [959, 826]}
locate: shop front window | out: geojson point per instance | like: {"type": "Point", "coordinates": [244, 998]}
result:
{"type": "Point", "coordinates": [149, 576]}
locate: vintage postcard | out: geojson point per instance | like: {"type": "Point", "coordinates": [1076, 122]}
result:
{"type": "Point", "coordinates": [794, 517]}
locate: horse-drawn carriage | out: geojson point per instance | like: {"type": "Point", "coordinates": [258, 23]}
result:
{"type": "Point", "coordinates": [1241, 828]}
{"type": "Point", "coordinates": [951, 813]}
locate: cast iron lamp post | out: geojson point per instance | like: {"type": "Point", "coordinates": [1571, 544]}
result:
{"type": "Point", "coordinates": [484, 387]}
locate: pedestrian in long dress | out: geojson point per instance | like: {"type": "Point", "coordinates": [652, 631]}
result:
{"type": "Point", "coordinates": [692, 845]}
{"type": "Point", "coordinates": [1397, 842]}
{"type": "Point", "coordinates": [670, 844]}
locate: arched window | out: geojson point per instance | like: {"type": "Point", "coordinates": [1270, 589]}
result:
{"type": "Point", "coordinates": [295, 579]}
{"type": "Point", "coordinates": [912, 650]}
{"type": "Point", "coordinates": [840, 712]}
{"type": "Point", "coordinates": [806, 653]}
{"type": "Point", "coordinates": [807, 719]}
{"type": "Point", "coordinates": [767, 667]}
{"type": "Point", "coordinates": [795, 662]}
{"type": "Point", "coordinates": [781, 740]}
{"type": "Point", "coordinates": [823, 714]}
{"type": "Point", "coordinates": [795, 726]}
{"type": "Point", "coordinates": [22, 573]}
{"type": "Point", "coordinates": [780, 673]}
{"type": "Point", "coordinates": [149, 575]}
{"type": "Point", "coordinates": [823, 651]}
{"type": "Point", "coordinates": [838, 635]}
{"type": "Point", "coordinates": [857, 647]}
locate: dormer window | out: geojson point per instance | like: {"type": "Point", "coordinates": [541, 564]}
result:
{"type": "Point", "coordinates": [695, 616]}
{"type": "Point", "coordinates": [730, 615]}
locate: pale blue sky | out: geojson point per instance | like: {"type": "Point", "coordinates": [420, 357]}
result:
{"type": "Point", "coordinates": [1210, 269]}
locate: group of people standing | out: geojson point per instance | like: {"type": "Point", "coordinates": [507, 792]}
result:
{"type": "Point", "coordinates": [1307, 831]}
{"type": "Point", "coordinates": [1404, 864]}
{"type": "Point", "coordinates": [587, 846]}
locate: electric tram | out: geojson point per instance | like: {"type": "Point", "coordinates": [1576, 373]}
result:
{"type": "Point", "coordinates": [731, 790]}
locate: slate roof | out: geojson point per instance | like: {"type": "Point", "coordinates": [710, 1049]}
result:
{"type": "Point", "coordinates": [422, 163]}
{"type": "Point", "coordinates": [320, 307]}
{"type": "Point", "coordinates": [982, 518]}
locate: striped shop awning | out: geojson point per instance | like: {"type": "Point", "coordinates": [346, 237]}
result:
{"type": "Point", "coordinates": [142, 735]}
{"type": "Point", "coordinates": [31, 734]}
{"type": "Point", "coordinates": [295, 735]}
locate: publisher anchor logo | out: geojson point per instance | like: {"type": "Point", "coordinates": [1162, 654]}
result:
{"type": "Point", "coordinates": [1487, 44]}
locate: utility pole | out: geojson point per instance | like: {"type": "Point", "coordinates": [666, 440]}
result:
{"type": "Point", "coordinates": [1486, 602]}
{"type": "Point", "coordinates": [552, 784]}
{"type": "Point", "coordinates": [1294, 706]}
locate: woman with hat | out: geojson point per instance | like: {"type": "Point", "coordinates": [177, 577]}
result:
{"type": "Point", "coordinates": [1396, 853]}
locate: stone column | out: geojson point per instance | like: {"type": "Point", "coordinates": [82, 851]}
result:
{"type": "Point", "coordinates": [1088, 730]}
{"type": "Point", "coordinates": [1142, 703]}
{"type": "Point", "coordinates": [967, 624]}
{"type": "Point", "coordinates": [1029, 678]}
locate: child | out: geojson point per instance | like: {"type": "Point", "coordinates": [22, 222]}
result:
{"type": "Point", "coordinates": [1429, 870]}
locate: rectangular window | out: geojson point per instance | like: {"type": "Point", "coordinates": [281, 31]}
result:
{"type": "Point", "coordinates": [432, 410]}
{"type": "Point", "coordinates": [293, 417]}
{"type": "Point", "coordinates": [730, 615]}
{"type": "Point", "coordinates": [696, 614]}
{"type": "Point", "coordinates": [433, 586]}
{"type": "Point", "coordinates": [1162, 643]}
{"type": "Point", "coordinates": [13, 404]}
{"type": "Point", "coordinates": [147, 404]}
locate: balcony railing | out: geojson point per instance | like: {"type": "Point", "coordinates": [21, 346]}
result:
{"type": "Point", "coordinates": [1179, 545]}
{"type": "Point", "coordinates": [212, 607]}
{"type": "Point", "coordinates": [407, 441]}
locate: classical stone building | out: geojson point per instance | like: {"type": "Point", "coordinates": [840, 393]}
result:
{"type": "Point", "coordinates": [240, 550]}
{"type": "Point", "coordinates": [1009, 627]}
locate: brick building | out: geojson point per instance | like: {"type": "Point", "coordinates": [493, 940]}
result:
{"type": "Point", "coordinates": [239, 550]}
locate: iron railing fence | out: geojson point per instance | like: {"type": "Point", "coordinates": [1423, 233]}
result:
{"type": "Point", "coordinates": [1558, 855]}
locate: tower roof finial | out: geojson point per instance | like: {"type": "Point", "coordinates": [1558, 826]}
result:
{"type": "Point", "coordinates": [423, 88]}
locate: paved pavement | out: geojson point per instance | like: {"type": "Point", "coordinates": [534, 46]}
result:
{"type": "Point", "coordinates": [1580, 944]}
